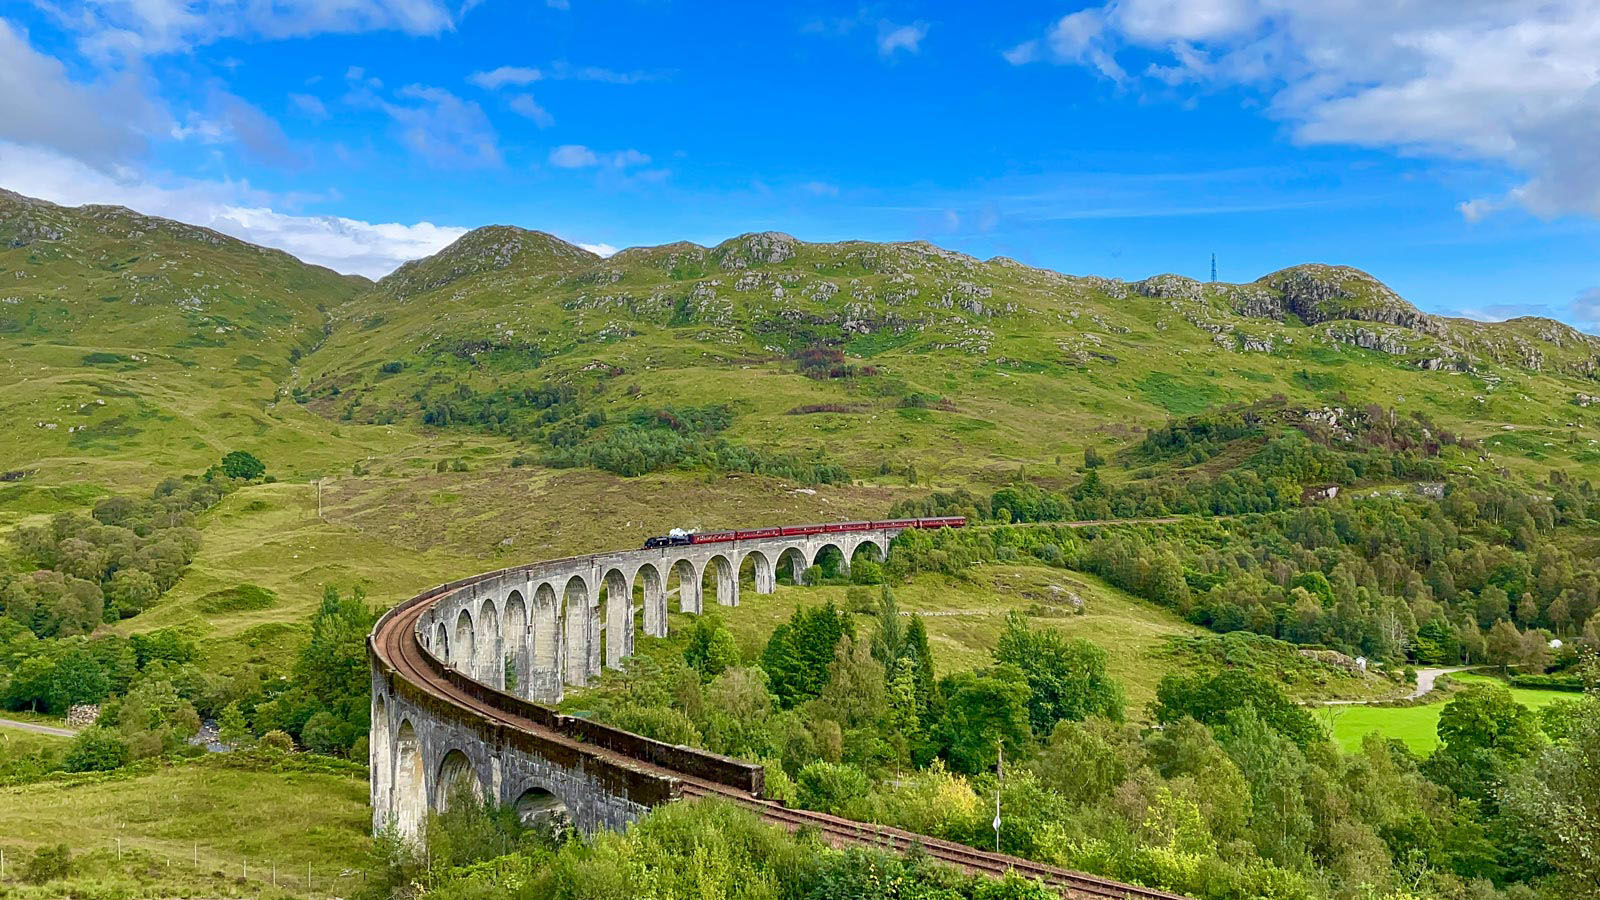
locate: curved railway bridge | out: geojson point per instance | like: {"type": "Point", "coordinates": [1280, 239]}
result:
{"type": "Point", "coordinates": [461, 674]}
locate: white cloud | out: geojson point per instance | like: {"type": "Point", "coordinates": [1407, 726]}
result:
{"type": "Point", "coordinates": [1022, 54]}
{"type": "Point", "coordinates": [345, 245]}
{"type": "Point", "coordinates": [572, 156]}
{"type": "Point", "coordinates": [310, 106]}
{"type": "Point", "coordinates": [439, 126]}
{"type": "Point", "coordinates": [820, 189]}
{"type": "Point", "coordinates": [892, 37]}
{"type": "Point", "coordinates": [495, 79]}
{"type": "Point", "coordinates": [1509, 82]}
{"type": "Point", "coordinates": [40, 104]}
{"type": "Point", "coordinates": [577, 156]}
{"type": "Point", "coordinates": [128, 29]}
{"type": "Point", "coordinates": [560, 70]}
{"type": "Point", "coordinates": [524, 105]}
{"type": "Point", "coordinates": [600, 249]}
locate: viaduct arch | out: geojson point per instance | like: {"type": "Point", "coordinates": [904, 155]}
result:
{"type": "Point", "coordinates": [462, 676]}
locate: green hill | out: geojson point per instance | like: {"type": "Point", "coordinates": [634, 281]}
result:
{"type": "Point", "coordinates": [133, 338]}
{"type": "Point", "coordinates": [136, 345]}
{"type": "Point", "coordinates": [882, 357]}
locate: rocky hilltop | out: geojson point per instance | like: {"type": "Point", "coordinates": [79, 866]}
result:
{"type": "Point", "coordinates": [774, 284]}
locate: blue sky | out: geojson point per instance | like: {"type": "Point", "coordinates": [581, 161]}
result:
{"type": "Point", "coordinates": [1444, 147]}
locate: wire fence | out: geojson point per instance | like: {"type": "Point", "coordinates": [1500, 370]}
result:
{"type": "Point", "coordinates": [160, 872]}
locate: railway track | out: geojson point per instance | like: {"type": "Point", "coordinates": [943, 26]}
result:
{"type": "Point", "coordinates": [396, 643]}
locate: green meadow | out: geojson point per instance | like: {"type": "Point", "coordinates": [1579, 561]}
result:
{"type": "Point", "coordinates": [1416, 725]}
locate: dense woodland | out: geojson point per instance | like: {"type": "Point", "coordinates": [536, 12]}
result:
{"type": "Point", "coordinates": [1490, 571]}
{"type": "Point", "coordinates": [1239, 792]}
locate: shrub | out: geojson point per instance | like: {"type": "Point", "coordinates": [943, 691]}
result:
{"type": "Point", "coordinates": [831, 787]}
{"type": "Point", "coordinates": [48, 864]}
{"type": "Point", "coordinates": [866, 571]}
{"type": "Point", "coordinates": [97, 749]}
{"type": "Point", "coordinates": [243, 465]}
{"type": "Point", "coordinates": [277, 741]}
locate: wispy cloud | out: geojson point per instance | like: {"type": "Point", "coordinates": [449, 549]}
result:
{"type": "Point", "coordinates": [577, 156]}
{"type": "Point", "coordinates": [1585, 309]}
{"type": "Point", "coordinates": [893, 38]}
{"type": "Point", "coordinates": [438, 126]}
{"type": "Point", "coordinates": [524, 105]}
{"type": "Point", "coordinates": [309, 106]}
{"type": "Point", "coordinates": [495, 79]}
{"type": "Point", "coordinates": [131, 29]}
{"type": "Point", "coordinates": [521, 76]}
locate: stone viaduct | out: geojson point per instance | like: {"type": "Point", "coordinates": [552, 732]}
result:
{"type": "Point", "coordinates": [462, 673]}
{"type": "Point", "coordinates": [524, 634]}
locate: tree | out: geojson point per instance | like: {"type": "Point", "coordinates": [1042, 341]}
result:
{"type": "Point", "coordinates": [1092, 458]}
{"type": "Point", "coordinates": [1079, 762]}
{"type": "Point", "coordinates": [1503, 644]}
{"type": "Point", "coordinates": [831, 787]}
{"type": "Point", "coordinates": [232, 729]}
{"type": "Point", "coordinates": [981, 711]}
{"type": "Point", "coordinates": [132, 591]}
{"type": "Point", "coordinates": [1066, 678]}
{"type": "Point", "coordinates": [243, 465]}
{"type": "Point", "coordinates": [712, 649]}
{"type": "Point", "coordinates": [96, 750]}
{"type": "Point", "coordinates": [866, 571]}
{"type": "Point", "coordinates": [798, 654]}
{"type": "Point", "coordinates": [53, 603]}
{"type": "Point", "coordinates": [31, 684]}
{"type": "Point", "coordinates": [79, 678]}
{"type": "Point", "coordinates": [1559, 797]}
{"type": "Point", "coordinates": [155, 719]}
{"type": "Point", "coordinates": [921, 653]}
{"type": "Point", "coordinates": [855, 695]}
{"type": "Point", "coordinates": [1210, 698]}
{"type": "Point", "coordinates": [1486, 717]}
{"type": "Point", "coordinates": [332, 668]}
{"type": "Point", "coordinates": [1484, 734]}
{"type": "Point", "coordinates": [889, 642]}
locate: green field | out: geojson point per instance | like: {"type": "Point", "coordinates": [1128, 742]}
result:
{"type": "Point", "coordinates": [1417, 725]}
{"type": "Point", "coordinates": [223, 813]}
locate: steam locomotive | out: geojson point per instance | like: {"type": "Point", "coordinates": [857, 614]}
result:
{"type": "Point", "coordinates": [680, 538]}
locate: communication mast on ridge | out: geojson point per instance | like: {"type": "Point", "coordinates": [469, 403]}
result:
{"type": "Point", "coordinates": [1213, 268]}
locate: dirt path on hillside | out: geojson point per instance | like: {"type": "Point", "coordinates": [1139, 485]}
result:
{"type": "Point", "coordinates": [1426, 679]}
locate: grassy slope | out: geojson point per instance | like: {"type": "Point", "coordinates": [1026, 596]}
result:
{"type": "Point", "coordinates": [1034, 365]}
{"type": "Point", "coordinates": [964, 619]}
{"type": "Point", "coordinates": [270, 536]}
{"type": "Point", "coordinates": [164, 818]}
{"type": "Point", "coordinates": [135, 345]}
